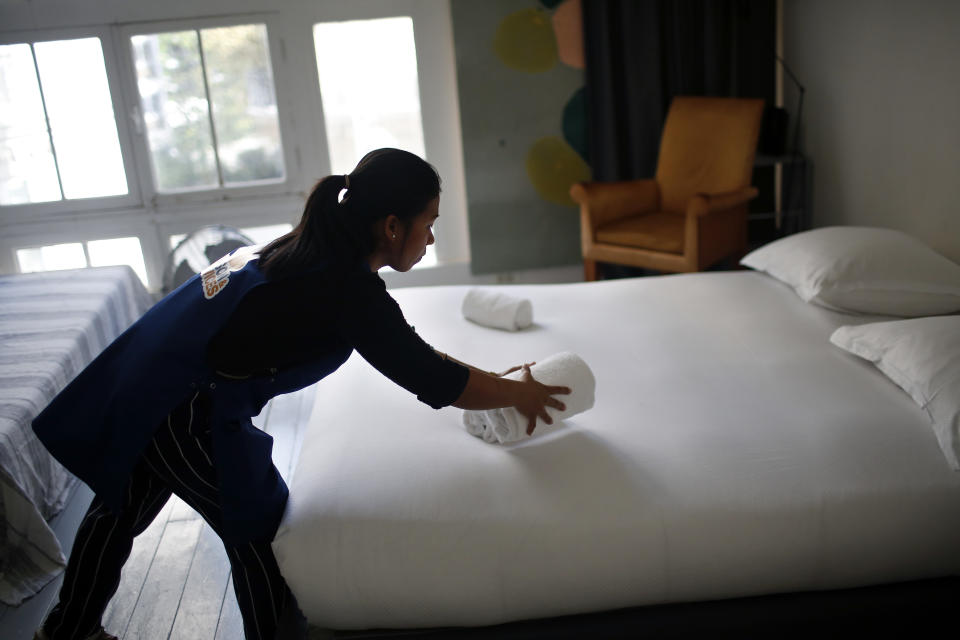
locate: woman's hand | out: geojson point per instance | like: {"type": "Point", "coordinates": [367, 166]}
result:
{"type": "Point", "coordinates": [516, 368]}
{"type": "Point", "coordinates": [486, 390]}
{"type": "Point", "coordinates": [535, 398]}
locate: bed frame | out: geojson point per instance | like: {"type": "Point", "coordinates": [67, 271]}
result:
{"type": "Point", "coordinates": [907, 609]}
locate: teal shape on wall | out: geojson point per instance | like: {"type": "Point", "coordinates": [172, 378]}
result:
{"type": "Point", "coordinates": [574, 124]}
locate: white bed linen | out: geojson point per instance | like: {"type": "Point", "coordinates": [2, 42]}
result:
{"type": "Point", "coordinates": [732, 451]}
{"type": "Point", "coordinates": [52, 324]}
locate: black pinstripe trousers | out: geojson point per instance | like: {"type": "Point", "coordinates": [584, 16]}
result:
{"type": "Point", "coordinates": [178, 460]}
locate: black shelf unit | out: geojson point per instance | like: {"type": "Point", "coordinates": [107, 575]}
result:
{"type": "Point", "coordinates": [765, 221]}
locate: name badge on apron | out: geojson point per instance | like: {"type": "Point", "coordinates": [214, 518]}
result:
{"type": "Point", "coordinates": [215, 278]}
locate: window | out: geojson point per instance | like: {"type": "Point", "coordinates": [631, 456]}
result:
{"type": "Point", "coordinates": [370, 91]}
{"type": "Point", "coordinates": [52, 257]}
{"type": "Point", "coordinates": [369, 88]}
{"type": "Point", "coordinates": [77, 255]}
{"type": "Point", "coordinates": [58, 136]}
{"type": "Point", "coordinates": [265, 234]}
{"type": "Point", "coordinates": [209, 107]}
{"type": "Point", "coordinates": [118, 123]}
{"type": "Point", "coordinates": [259, 235]}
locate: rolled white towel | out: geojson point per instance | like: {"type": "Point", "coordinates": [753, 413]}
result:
{"type": "Point", "coordinates": [477, 424]}
{"type": "Point", "coordinates": [562, 369]}
{"type": "Point", "coordinates": [496, 309]}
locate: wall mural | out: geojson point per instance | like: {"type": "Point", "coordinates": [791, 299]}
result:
{"type": "Point", "coordinates": [533, 41]}
{"type": "Point", "coordinates": [520, 73]}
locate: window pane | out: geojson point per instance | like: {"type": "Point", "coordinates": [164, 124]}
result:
{"type": "Point", "coordinates": [104, 253]}
{"type": "Point", "coordinates": [259, 235]}
{"type": "Point", "coordinates": [429, 259]}
{"type": "Point", "coordinates": [176, 239]}
{"type": "Point", "coordinates": [369, 88]}
{"type": "Point", "coordinates": [170, 81]}
{"type": "Point", "coordinates": [74, 82]}
{"type": "Point", "coordinates": [244, 104]}
{"type": "Point", "coordinates": [265, 234]}
{"type": "Point", "coordinates": [27, 171]}
{"type": "Point", "coordinates": [52, 257]}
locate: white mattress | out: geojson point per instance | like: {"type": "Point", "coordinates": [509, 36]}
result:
{"type": "Point", "coordinates": [732, 451]}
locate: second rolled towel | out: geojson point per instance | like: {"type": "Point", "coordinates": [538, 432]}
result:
{"type": "Point", "coordinates": [562, 369]}
{"type": "Point", "coordinates": [496, 309]}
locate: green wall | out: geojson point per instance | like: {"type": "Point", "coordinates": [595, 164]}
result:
{"type": "Point", "coordinates": [506, 113]}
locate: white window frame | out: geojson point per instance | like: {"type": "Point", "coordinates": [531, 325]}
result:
{"type": "Point", "coordinates": [94, 227]}
{"type": "Point", "coordinates": [166, 200]}
{"type": "Point", "coordinates": [29, 211]}
{"type": "Point", "coordinates": [86, 253]}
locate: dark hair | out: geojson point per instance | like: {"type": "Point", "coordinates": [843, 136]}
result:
{"type": "Point", "coordinates": [337, 231]}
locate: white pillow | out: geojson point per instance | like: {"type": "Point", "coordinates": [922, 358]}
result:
{"type": "Point", "coordinates": [922, 356]}
{"type": "Point", "coordinates": [863, 270]}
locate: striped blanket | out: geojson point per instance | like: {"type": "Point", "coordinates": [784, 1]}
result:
{"type": "Point", "coordinates": [52, 325]}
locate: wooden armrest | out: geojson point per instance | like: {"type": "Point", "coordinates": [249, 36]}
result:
{"type": "Point", "coordinates": [602, 202]}
{"type": "Point", "coordinates": [705, 203]}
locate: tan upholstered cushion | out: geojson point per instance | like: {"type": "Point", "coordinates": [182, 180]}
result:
{"type": "Point", "coordinates": [707, 146]}
{"type": "Point", "coordinates": [660, 231]}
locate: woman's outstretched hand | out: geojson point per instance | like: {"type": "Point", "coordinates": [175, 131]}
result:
{"type": "Point", "coordinates": [535, 398]}
{"type": "Point", "coordinates": [487, 390]}
{"type": "Point", "coordinates": [516, 368]}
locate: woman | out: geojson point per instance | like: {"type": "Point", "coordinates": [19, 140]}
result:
{"type": "Point", "coordinates": [166, 408]}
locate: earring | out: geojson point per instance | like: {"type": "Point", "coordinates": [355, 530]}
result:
{"type": "Point", "coordinates": [394, 236]}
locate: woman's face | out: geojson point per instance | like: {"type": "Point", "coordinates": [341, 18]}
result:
{"type": "Point", "coordinates": [413, 241]}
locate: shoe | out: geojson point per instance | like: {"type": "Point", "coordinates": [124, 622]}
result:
{"type": "Point", "coordinates": [100, 634]}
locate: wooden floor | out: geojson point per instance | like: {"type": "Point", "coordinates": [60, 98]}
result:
{"type": "Point", "coordinates": [176, 583]}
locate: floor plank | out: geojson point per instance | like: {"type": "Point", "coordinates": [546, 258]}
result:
{"type": "Point", "coordinates": [230, 626]}
{"type": "Point", "coordinates": [180, 510]}
{"type": "Point", "coordinates": [202, 600]}
{"type": "Point", "coordinates": [117, 616]}
{"type": "Point", "coordinates": [156, 609]}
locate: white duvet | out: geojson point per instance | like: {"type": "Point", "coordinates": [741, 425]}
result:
{"type": "Point", "coordinates": [732, 451]}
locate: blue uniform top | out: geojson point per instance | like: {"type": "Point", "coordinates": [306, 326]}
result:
{"type": "Point", "coordinates": [100, 423]}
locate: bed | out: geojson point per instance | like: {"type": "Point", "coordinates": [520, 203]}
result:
{"type": "Point", "coordinates": [52, 325]}
{"type": "Point", "coordinates": [733, 452]}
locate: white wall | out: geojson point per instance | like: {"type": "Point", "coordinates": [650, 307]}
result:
{"type": "Point", "coordinates": [881, 119]}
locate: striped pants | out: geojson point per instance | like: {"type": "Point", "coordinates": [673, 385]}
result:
{"type": "Point", "coordinates": [178, 460]}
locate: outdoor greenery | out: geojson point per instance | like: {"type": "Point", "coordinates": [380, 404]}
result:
{"type": "Point", "coordinates": [170, 69]}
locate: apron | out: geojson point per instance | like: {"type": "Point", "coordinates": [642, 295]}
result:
{"type": "Point", "coordinates": [101, 422]}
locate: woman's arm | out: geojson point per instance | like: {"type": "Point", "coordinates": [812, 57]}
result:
{"type": "Point", "coordinates": [373, 323]}
{"type": "Point", "coordinates": [473, 368]}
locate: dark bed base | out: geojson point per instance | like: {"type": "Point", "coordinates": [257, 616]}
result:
{"type": "Point", "coordinates": [903, 610]}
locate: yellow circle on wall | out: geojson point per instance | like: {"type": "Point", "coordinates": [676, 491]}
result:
{"type": "Point", "coordinates": [525, 41]}
{"type": "Point", "coordinates": [553, 167]}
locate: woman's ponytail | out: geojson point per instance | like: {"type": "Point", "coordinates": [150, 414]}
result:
{"type": "Point", "coordinates": [339, 232]}
{"type": "Point", "coordinates": [318, 234]}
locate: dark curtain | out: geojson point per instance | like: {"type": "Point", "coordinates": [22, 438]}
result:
{"type": "Point", "coordinates": [641, 53]}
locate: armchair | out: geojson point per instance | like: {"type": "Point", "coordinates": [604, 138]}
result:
{"type": "Point", "coordinates": [693, 213]}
